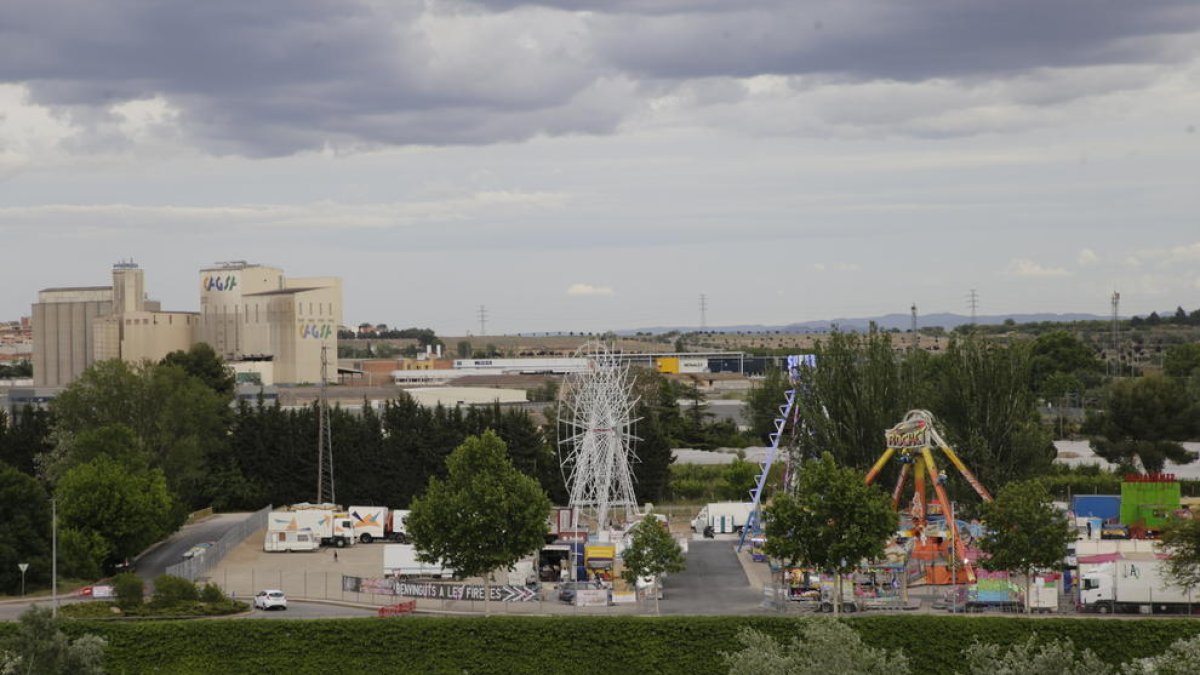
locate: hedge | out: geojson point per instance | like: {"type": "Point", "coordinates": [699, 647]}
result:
{"type": "Point", "coordinates": [688, 645]}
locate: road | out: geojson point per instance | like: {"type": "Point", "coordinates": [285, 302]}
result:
{"type": "Point", "coordinates": [311, 610]}
{"type": "Point", "coordinates": [171, 551]}
{"type": "Point", "coordinates": [713, 583]}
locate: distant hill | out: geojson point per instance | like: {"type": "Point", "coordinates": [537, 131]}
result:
{"type": "Point", "coordinates": [887, 322]}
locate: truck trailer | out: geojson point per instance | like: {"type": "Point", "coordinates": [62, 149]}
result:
{"type": "Point", "coordinates": [1134, 583]}
{"type": "Point", "coordinates": [723, 517]}
{"type": "Point", "coordinates": [329, 528]}
{"type": "Point", "coordinates": [400, 560]}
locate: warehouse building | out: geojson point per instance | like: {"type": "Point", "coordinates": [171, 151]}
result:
{"type": "Point", "coordinates": [268, 328]}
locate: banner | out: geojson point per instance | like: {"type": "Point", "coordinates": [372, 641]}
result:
{"type": "Point", "coordinates": [437, 591]}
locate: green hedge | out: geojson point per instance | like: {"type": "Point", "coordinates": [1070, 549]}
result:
{"type": "Point", "coordinates": [573, 645]}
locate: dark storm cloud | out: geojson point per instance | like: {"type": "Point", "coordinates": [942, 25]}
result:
{"type": "Point", "coordinates": [261, 78]}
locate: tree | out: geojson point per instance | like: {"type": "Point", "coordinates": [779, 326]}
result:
{"type": "Point", "coordinates": [1030, 658]}
{"type": "Point", "coordinates": [1182, 360]}
{"type": "Point", "coordinates": [177, 418]}
{"type": "Point", "coordinates": [1181, 541]}
{"type": "Point", "coordinates": [1181, 658]}
{"type": "Point", "coordinates": [26, 437]}
{"type": "Point", "coordinates": [652, 472]}
{"type": "Point", "coordinates": [832, 522]}
{"type": "Point", "coordinates": [652, 552]}
{"type": "Point", "coordinates": [1060, 352]}
{"type": "Point", "coordinates": [1024, 531]}
{"type": "Point", "coordinates": [485, 515]}
{"type": "Point", "coordinates": [129, 510]}
{"type": "Point", "coordinates": [38, 646]}
{"type": "Point", "coordinates": [25, 536]}
{"type": "Point", "coordinates": [202, 363]}
{"type": "Point", "coordinates": [823, 646]}
{"type": "Point", "coordinates": [762, 404]}
{"type": "Point", "coordinates": [1147, 418]}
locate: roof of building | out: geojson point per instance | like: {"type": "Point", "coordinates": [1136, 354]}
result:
{"type": "Point", "coordinates": [77, 288]}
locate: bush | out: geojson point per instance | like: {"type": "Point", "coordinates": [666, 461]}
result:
{"type": "Point", "coordinates": [129, 589]}
{"type": "Point", "coordinates": [211, 593]}
{"type": "Point", "coordinates": [559, 644]}
{"type": "Point", "coordinates": [169, 590]}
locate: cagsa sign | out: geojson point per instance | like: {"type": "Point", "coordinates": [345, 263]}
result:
{"type": "Point", "coordinates": [217, 282]}
{"type": "Point", "coordinates": [312, 330]}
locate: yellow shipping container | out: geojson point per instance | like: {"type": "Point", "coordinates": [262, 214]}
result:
{"type": "Point", "coordinates": [667, 364]}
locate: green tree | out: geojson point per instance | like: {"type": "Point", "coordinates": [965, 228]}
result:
{"type": "Point", "coordinates": [1147, 418]}
{"type": "Point", "coordinates": [653, 469]}
{"type": "Point", "coordinates": [39, 646]}
{"type": "Point", "coordinates": [1181, 658]}
{"type": "Point", "coordinates": [832, 522]}
{"type": "Point", "coordinates": [1182, 360]}
{"type": "Point", "coordinates": [1181, 541]}
{"type": "Point", "coordinates": [178, 419]}
{"type": "Point", "coordinates": [484, 516]}
{"type": "Point", "coordinates": [129, 510]}
{"type": "Point", "coordinates": [1060, 352]}
{"type": "Point", "coordinates": [762, 405]}
{"type": "Point", "coordinates": [823, 646]}
{"type": "Point", "coordinates": [26, 436]}
{"type": "Point", "coordinates": [652, 552]}
{"type": "Point", "coordinates": [1031, 658]}
{"type": "Point", "coordinates": [25, 535]}
{"type": "Point", "coordinates": [1024, 532]}
{"type": "Point", "coordinates": [202, 363]}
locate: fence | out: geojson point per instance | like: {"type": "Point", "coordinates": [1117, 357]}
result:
{"type": "Point", "coordinates": [196, 566]}
{"type": "Point", "coordinates": [308, 584]}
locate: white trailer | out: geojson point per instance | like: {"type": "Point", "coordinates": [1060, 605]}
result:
{"type": "Point", "coordinates": [1135, 583]}
{"type": "Point", "coordinates": [723, 517]}
{"type": "Point", "coordinates": [370, 522]}
{"type": "Point", "coordinates": [290, 540]}
{"type": "Point", "coordinates": [1043, 595]}
{"type": "Point", "coordinates": [400, 560]}
{"type": "Point", "coordinates": [329, 528]}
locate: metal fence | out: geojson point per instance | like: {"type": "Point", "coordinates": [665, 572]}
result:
{"type": "Point", "coordinates": [196, 566]}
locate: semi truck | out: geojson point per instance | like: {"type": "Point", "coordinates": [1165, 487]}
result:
{"type": "Point", "coordinates": [1134, 583]}
{"type": "Point", "coordinates": [723, 517]}
{"type": "Point", "coordinates": [378, 523]}
{"type": "Point", "coordinates": [400, 560]}
{"type": "Point", "coordinates": [330, 529]}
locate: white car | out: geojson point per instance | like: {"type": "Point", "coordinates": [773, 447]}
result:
{"type": "Point", "coordinates": [270, 599]}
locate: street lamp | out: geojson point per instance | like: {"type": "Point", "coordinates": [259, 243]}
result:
{"type": "Point", "coordinates": [22, 567]}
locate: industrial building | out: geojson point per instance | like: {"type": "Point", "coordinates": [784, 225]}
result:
{"type": "Point", "coordinates": [268, 328]}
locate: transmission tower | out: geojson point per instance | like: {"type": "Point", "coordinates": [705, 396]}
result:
{"type": "Point", "coordinates": [1116, 333]}
{"type": "Point", "coordinates": [973, 303]}
{"type": "Point", "coordinates": [482, 320]}
{"type": "Point", "coordinates": [703, 312]}
{"type": "Point", "coordinates": [325, 491]}
{"type": "Point", "coordinates": [916, 340]}
{"type": "Point", "coordinates": [596, 438]}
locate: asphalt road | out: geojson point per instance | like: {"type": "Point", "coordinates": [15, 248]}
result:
{"type": "Point", "coordinates": [310, 610]}
{"type": "Point", "coordinates": [171, 551]}
{"type": "Point", "coordinates": [713, 583]}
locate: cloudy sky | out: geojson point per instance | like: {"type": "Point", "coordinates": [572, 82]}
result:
{"type": "Point", "coordinates": [587, 164]}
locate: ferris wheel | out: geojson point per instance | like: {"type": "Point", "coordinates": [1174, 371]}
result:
{"type": "Point", "coordinates": [595, 431]}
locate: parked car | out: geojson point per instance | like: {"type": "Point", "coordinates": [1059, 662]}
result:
{"type": "Point", "coordinates": [197, 550]}
{"type": "Point", "coordinates": [270, 599]}
{"type": "Point", "coordinates": [566, 590]}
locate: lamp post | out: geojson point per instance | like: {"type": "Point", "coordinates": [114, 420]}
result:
{"type": "Point", "coordinates": [22, 567]}
{"type": "Point", "coordinates": [54, 558]}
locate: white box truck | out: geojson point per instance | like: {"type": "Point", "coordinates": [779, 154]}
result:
{"type": "Point", "coordinates": [329, 528]}
{"type": "Point", "coordinates": [370, 522]}
{"type": "Point", "coordinates": [400, 560]}
{"type": "Point", "coordinates": [724, 517]}
{"type": "Point", "coordinates": [397, 530]}
{"type": "Point", "coordinates": [290, 540]}
{"type": "Point", "coordinates": [1134, 583]}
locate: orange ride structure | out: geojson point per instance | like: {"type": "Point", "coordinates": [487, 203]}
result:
{"type": "Point", "coordinates": [913, 442]}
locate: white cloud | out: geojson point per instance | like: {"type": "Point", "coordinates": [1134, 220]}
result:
{"type": "Point", "coordinates": [588, 289]}
{"type": "Point", "coordinates": [1186, 253]}
{"type": "Point", "coordinates": [1087, 257]}
{"type": "Point", "coordinates": [1024, 267]}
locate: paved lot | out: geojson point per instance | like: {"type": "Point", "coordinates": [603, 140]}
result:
{"type": "Point", "coordinates": [713, 583]}
{"type": "Point", "coordinates": [312, 610]}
